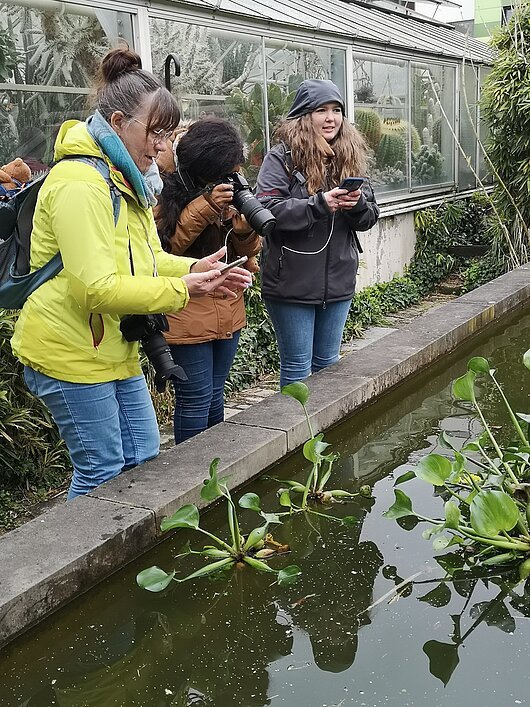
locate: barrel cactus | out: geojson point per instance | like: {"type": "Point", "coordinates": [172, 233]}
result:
{"type": "Point", "coordinates": [368, 122]}
{"type": "Point", "coordinates": [393, 144]}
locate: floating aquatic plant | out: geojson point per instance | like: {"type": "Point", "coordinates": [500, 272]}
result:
{"type": "Point", "coordinates": [254, 549]}
{"type": "Point", "coordinates": [485, 486]}
{"type": "Point", "coordinates": [315, 451]}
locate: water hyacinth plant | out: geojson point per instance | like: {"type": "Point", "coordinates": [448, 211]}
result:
{"type": "Point", "coordinates": [485, 486]}
{"type": "Point", "coordinates": [253, 550]}
{"type": "Point", "coordinates": [314, 450]}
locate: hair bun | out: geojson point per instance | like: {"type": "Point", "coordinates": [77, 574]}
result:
{"type": "Point", "coordinates": [118, 62]}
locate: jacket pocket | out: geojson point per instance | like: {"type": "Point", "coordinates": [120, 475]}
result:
{"type": "Point", "coordinates": [97, 329]}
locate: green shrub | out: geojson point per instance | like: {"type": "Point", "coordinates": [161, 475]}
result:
{"type": "Point", "coordinates": [33, 459]}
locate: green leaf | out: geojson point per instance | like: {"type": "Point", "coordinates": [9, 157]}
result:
{"type": "Point", "coordinates": [212, 489]}
{"type": "Point", "coordinates": [154, 579]}
{"type": "Point", "coordinates": [522, 416]}
{"type": "Point", "coordinates": [502, 559]}
{"type": "Point", "coordinates": [212, 568]}
{"type": "Point", "coordinates": [439, 596]}
{"type": "Point", "coordinates": [434, 469]}
{"type": "Point", "coordinates": [401, 508]}
{"type": "Point", "coordinates": [252, 501]}
{"type": "Point", "coordinates": [298, 391]}
{"type": "Point", "coordinates": [214, 552]}
{"type": "Point", "coordinates": [526, 359]}
{"type": "Point", "coordinates": [258, 564]}
{"type": "Point", "coordinates": [186, 517]}
{"type": "Point", "coordinates": [288, 575]}
{"type": "Point", "coordinates": [494, 614]}
{"type": "Point", "coordinates": [271, 517]}
{"type": "Point", "coordinates": [255, 536]}
{"type": "Point", "coordinates": [407, 476]}
{"type": "Point", "coordinates": [463, 388]}
{"type": "Point", "coordinates": [452, 515]}
{"type": "Point", "coordinates": [350, 521]}
{"type": "Point", "coordinates": [314, 447]}
{"type": "Point", "coordinates": [285, 499]}
{"type": "Point", "coordinates": [478, 364]}
{"type": "Point", "coordinates": [493, 511]}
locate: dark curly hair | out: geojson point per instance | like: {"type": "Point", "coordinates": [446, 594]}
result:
{"type": "Point", "coordinates": [207, 152]}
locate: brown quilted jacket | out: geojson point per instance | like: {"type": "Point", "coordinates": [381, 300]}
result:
{"type": "Point", "coordinates": [199, 232]}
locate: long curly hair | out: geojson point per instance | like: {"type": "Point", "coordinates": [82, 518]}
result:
{"type": "Point", "coordinates": [323, 164]}
{"type": "Point", "coordinates": [208, 151]}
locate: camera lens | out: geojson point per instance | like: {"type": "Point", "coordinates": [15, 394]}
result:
{"type": "Point", "coordinates": [259, 218]}
{"type": "Point", "coordinates": [159, 353]}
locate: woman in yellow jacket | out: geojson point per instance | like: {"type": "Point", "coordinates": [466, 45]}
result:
{"type": "Point", "coordinates": [194, 216]}
{"type": "Point", "coordinates": [68, 334]}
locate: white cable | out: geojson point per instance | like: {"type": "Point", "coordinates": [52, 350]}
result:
{"type": "Point", "coordinates": [315, 252]}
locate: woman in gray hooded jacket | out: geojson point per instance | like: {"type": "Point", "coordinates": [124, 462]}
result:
{"type": "Point", "coordinates": [309, 263]}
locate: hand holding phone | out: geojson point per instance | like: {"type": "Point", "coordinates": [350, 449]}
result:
{"type": "Point", "coordinates": [233, 264]}
{"type": "Point", "coordinates": [352, 183]}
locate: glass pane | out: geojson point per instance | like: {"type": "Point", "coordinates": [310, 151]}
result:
{"type": "Point", "coordinates": [433, 89]}
{"type": "Point", "coordinates": [289, 64]}
{"type": "Point", "coordinates": [468, 125]}
{"type": "Point", "coordinates": [221, 75]}
{"type": "Point", "coordinates": [60, 44]}
{"type": "Point", "coordinates": [29, 128]}
{"type": "Point", "coordinates": [380, 89]}
{"type": "Point", "coordinates": [484, 170]}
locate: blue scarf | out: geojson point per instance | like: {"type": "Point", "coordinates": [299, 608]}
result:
{"type": "Point", "coordinates": [146, 186]}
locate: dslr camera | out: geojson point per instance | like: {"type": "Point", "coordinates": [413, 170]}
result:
{"type": "Point", "coordinates": [147, 328]}
{"type": "Point", "coordinates": [259, 218]}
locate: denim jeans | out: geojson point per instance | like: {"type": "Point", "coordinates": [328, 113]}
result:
{"type": "Point", "coordinates": [199, 401]}
{"type": "Point", "coordinates": [308, 336]}
{"type": "Point", "coordinates": [107, 427]}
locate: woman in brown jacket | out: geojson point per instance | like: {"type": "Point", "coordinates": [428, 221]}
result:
{"type": "Point", "coordinates": [194, 217]}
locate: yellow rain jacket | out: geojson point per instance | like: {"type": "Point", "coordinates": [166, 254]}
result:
{"type": "Point", "coordinates": [69, 328]}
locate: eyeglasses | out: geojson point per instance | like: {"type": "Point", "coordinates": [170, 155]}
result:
{"type": "Point", "coordinates": [157, 135]}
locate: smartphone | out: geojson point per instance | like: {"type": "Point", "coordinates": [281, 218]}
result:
{"type": "Point", "coordinates": [234, 264]}
{"type": "Point", "coordinates": [352, 183]}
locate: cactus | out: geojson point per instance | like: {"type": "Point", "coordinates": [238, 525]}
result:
{"type": "Point", "coordinates": [368, 123]}
{"type": "Point", "coordinates": [427, 165]}
{"type": "Point", "coordinates": [393, 144]}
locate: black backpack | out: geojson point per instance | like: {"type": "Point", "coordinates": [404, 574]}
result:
{"type": "Point", "coordinates": [16, 223]}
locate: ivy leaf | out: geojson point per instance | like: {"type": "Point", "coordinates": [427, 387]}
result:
{"type": "Point", "coordinates": [493, 511]}
{"type": "Point", "coordinates": [154, 579]}
{"type": "Point", "coordinates": [463, 388]}
{"type": "Point", "coordinates": [186, 517]}
{"type": "Point", "coordinates": [434, 469]}
{"type": "Point", "coordinates": [299, 391]}
{"type": "Point", "coordinates": [401, 508]}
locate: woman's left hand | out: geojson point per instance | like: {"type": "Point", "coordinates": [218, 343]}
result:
{"type": "Point", "coordinates": [240, 224]}
{"type": "Point", "coordinates": [349, 200]}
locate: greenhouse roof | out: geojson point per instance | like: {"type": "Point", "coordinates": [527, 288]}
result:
{"type": "Point", "coordinates": [366, 25]}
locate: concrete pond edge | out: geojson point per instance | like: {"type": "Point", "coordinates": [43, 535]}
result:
{"type": "Point", "coordinates": [57, 556]}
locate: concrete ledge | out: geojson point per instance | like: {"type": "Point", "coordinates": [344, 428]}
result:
{"type": "Point", "coordinates": [63, 553]}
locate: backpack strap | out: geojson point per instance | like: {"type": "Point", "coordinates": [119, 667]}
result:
{"type": "Point", "coordinates": [288, 163]}
{"type": "Point", "coordinates": [103, 168]}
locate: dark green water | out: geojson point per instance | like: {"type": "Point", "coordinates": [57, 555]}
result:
{"type": "Point", "coordinates": [242, 641]}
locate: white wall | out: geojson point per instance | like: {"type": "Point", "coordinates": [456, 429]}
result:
{"type": "Point", "coordinates": [388, 247]}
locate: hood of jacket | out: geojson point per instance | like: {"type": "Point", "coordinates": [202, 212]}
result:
{"type": "Point", "coordinates": [73, 139]}
{"type": "Point", "coordinates": [312, 94]}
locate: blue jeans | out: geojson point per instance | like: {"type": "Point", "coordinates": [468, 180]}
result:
{"type": "Point", "coordinates": [308, 336]}
{"type": "Point", "coordinates": [107, 427]}
{"type": "Point", "coordinates": [199, 401]}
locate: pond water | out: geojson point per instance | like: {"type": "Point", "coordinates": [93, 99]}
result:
{"type": "Point", "coordinates": [342, 635]}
